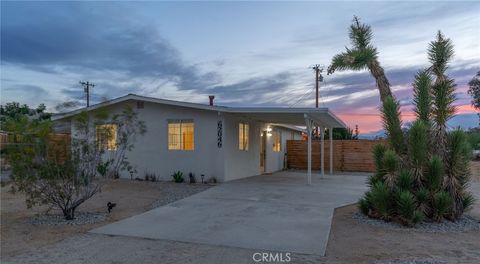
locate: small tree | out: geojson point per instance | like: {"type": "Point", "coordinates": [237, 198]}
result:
{"type": "Point", "coordinates": [474, 91]}
{"type": "Point", "coordinates": [48, 176]}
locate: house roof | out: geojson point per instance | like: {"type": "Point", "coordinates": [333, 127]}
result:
{"type": "Point", "coordinates": [278, 115]}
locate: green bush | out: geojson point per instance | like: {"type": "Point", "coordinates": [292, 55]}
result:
{"type": "Point", "coordinates": [422, 195]}
{"type": "Point", "coordinates": [442, 202]}
{"type": "Point", "coordinates": [178, 177]}
{"type": "Point", "coordinates": [468, 201]}
{"type": "Point", "coordinates": [406, 205]}
{"type": "Point", "coordinates": [435, 173]}
{"type": "Point", "coordinates": [364, 205]}
{"type": "Point", "coordinates": [380, 199]}
{"type": "Point", "coordinates": [404, 181]}
{"type": "Point", "coordinates": [378, 152]}
{"type": "Point", "coordinates": [418, 217]}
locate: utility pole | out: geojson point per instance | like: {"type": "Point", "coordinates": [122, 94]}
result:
{"type": "Point", "coordinates": [318, 78]}
{"type": "Point", "coordinates": [86, 88]}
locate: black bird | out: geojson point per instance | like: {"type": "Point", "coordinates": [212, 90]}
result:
{"type": "Point", "coordinates": [110, 206]}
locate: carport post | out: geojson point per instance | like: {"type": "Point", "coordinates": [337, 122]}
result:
{"type": "Point", "coordinates": [330, 136]}
{"type": "Point", "coordinates": [309, 122]}
{"type": "Point", "coordinates": [322, 151]}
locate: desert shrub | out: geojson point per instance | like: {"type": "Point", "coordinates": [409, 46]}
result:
{"type": "Point", "coordinates": [468, 201]}
{"type": "Point", "coordinates": [404, 181]}
{"type": "Point", "coordinates": [406, 205]}
{"type": "Point", "coordinates": [418, 217]}
{"type": "Point", "coordinates": [49, 176]}
{"type": "Point", "coordinates": [178, 177]}
{"type": "Point", "coordinates": [378, 153]}
{"type": "Point", "coordinates": [441, 204]}
{"type": "Point", "coordinates": [379, 197]}
{"type": "Point", "coordinates": [364, 205]}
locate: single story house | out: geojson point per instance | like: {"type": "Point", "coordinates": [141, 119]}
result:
{"type": "Point", "coordinates": [226, 143]}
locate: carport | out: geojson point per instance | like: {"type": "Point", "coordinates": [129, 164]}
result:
{"type": "Point", "coordinates": [322, 118]}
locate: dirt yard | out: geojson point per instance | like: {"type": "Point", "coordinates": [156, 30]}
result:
{"type": "Point", "coordinates": [350, 241]}
{"type": "Point", "coordinates": [18, 235]}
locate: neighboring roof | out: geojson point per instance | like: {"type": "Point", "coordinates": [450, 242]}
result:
{"type": "Point", "coordinates": [279, 115]}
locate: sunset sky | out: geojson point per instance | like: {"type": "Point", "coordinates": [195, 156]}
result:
{"type": "Point", "coordinates": [244, 53]}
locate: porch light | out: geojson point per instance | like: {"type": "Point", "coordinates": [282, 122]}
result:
{"type": "Point", "coordinates": [269, 134]}
{"type": "Point", "coordinates": [269, 129]}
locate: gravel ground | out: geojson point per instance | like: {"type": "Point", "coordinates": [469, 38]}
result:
{"type": "Point", "coordinates": [467, 223]}
{"type": "Point", "coordinates": [81, 218]}
{"type": "Point", "coordinates": [178, 191]}
{"type": "Point", "coordinates": [415, 261]}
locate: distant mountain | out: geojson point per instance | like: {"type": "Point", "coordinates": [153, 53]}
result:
{"type": "Point", "coordinates": [464, 121]}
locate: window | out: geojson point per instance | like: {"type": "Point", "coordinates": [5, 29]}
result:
{"type": "Point", "coordinates": [243, 136]}
{"type": "Point", "coordinates": [277, 141]}
{"type": "Point", "coordinates": [181, 135]}
{"type": "Point", "coordinates": [106, 136]}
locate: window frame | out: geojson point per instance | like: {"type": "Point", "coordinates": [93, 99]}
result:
{"type": "Point", "coordinates": [277, 141]}
{"type": "Point", "coordinates": [243, 136]}
{"type": "Point", "coordinates": [180, 136]}
{"type": "Point", "coordinates": [109, 144]}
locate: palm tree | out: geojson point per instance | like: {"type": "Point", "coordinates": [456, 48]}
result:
{"type": "Point", "coordinates": [363, 55]}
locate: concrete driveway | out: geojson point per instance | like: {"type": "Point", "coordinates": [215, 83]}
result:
{"type": "Point", "coordinates": [277, 212]}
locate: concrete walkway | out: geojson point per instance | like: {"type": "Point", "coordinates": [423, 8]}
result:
{"type": "Point", "coordinates": [277, 212]}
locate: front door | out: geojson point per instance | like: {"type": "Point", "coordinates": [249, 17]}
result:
{"type": "Point", "coordinates": [263, 152]}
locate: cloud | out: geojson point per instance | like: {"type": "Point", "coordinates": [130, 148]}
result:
{"type": "Point", "coordinates": [87, 42]}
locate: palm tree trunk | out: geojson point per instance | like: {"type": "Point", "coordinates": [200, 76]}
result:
{"type": "Point", "coordinates": [382, 82]}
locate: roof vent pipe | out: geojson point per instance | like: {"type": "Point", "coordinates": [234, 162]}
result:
{"type": "Point", "coordinates": [211, 97]}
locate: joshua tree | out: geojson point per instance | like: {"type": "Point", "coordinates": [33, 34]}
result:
{"type": "Point", "coordinates": [423, 176]}
{"type": "Point", "coordinates": [362, 56]}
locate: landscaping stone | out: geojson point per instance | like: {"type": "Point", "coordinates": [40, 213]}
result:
{"type": "Point", "coordinates": [466, 223]}
{"type": "Point", "coordinates": [177, 191]}
{"type": "Point", "coordinates": [81, 218]}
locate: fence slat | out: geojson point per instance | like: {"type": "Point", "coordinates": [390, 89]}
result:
{"type": "Point", "coordinates": [348, 155]}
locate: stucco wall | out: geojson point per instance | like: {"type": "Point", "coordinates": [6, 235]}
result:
{"type": "Point", "coordinates": [151, 152]}
{"type": "Point", "coordinates": [239, 163]}
{"type": "Point", "coordinates": [275, 160]}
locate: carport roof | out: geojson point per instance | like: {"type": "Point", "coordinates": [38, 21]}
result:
{"type": "Point", "coordinates": [280, 115]}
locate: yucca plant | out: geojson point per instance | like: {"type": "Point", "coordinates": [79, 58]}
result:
{"type": "Point", "coordinates": [423, 172]}
{"type": "Point", "coordinates": [434, 175]}
{"type": "Point", "coordinates": [441, 205]}
{"type": "Point", "coordinates": [378, 152]}
{"type": "Point", "coordinates": [380, 200]}
{"type": "Point", "coordinates": [457, 170]}
{"type": "Point", "coordinates": [406, 206]}
{"type": "Point", "coordinates": [393, 124]}
{"type": "Point", "coordinates": [422, 196]}
{"type": "Point", "coordinates": [391, 164]}
{"type": "Point", "coordinates": [404, 181]}
{"type": "Point", "coordinates": [418, 149]}
{"type": "Point", "coordinates": [418, 217]}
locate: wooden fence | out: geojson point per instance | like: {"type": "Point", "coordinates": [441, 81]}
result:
{"type": "Point", "coordinates": [348, 155]}
{"type": "Point", "coordinates": [58, 144]}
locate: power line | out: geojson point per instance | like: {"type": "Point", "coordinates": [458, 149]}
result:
{"type": "Point", "coordinates": [302, 97]}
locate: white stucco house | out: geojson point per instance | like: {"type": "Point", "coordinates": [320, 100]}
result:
{"type": "Point", "coordinates": [227, 143]}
